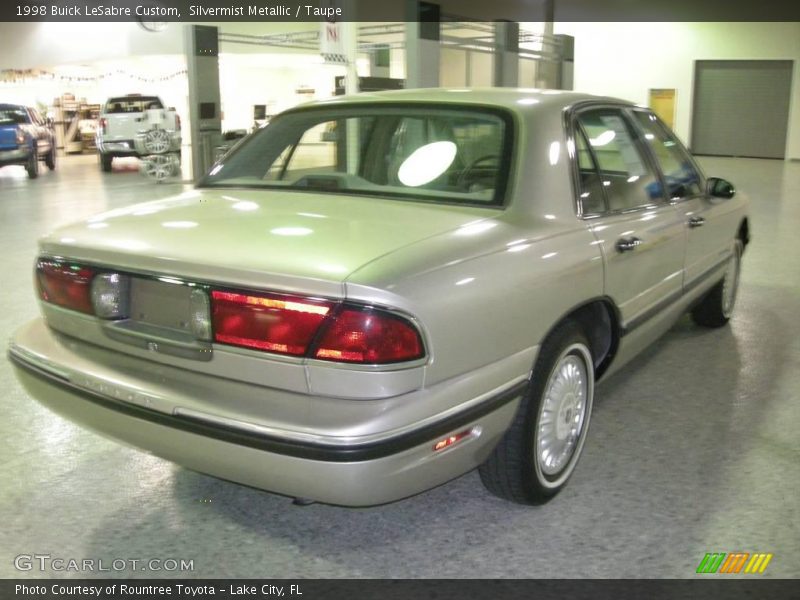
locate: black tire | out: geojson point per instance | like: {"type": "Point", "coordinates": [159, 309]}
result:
{"type": "Point", "coordinates": [32, 166]}
{"type": "Point", "coordinates": [105, 162]}
{"type": "Point", "coordinates": [716, 308]}
{"type": "Point", "coordinates": [50, 159]}
{"type": "Point", "coordinates": [176, 168]}
{"type": "Point", "coordinates": [514, 470]}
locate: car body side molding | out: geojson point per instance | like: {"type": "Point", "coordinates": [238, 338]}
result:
{"type": "Point", "coordinates": [669, 300]}
{"type": "Point", "coordinates": [309, 450]}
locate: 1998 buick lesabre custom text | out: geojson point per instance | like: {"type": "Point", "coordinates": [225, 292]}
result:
{"type": "Point", "coordinates": [373, 295]}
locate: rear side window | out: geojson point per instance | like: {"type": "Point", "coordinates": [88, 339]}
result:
{"type": "Point", "coordinates": [680, 176]}
{"type": "Point", "coordinates": [13, 116]}
{"type": "Point", "coordinates": [132, 104]}
{"type": "Point", "coordinates": [626, 177]}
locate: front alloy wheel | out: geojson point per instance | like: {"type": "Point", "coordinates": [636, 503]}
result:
{"type": "Point", "coordinates": [716, 309]}
{"type": "Point", "coordinates": [538, 453]}
{"type": "Point", "coordinates": [730, 283]}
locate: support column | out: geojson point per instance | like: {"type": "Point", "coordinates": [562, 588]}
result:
{"type": "Point", "coordinates": [201, 48]}
{"type": "Point", "coordinates": [549, 16]}
{"type": "Point", "coordinates": [506, 54]}
{"type": "Point", "coordinates": [547, 72]}
{"type": "Point", "coordinates": [423, 32]}
{"type": "Point", "coordinates": [567, 45]}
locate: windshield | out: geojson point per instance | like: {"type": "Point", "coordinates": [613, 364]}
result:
{"type": "Point", "coordinates": [407, 152]}
{"type": "Point", "coordinates": [13, 116]}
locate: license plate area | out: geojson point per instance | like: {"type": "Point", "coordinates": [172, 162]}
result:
{"type": "Point", "coordinates": [161, 304]}
{"type": "Point", "coordinates": [160, 319]}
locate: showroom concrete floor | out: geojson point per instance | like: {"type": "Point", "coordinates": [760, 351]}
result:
{"type": "Point", "coordinates": [694, 447]}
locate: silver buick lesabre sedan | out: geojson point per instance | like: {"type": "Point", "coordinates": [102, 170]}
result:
{"type": "Point", "coordinates": [375, 294]}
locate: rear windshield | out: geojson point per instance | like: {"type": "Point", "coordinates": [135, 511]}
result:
{"type": "Point", "coordinates": [430, 153]}
{"type": "Point", "coordinates": [13, 116]}
{"type": "Point", "coordinates": [132, 104]}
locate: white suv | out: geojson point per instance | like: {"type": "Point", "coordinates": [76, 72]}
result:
{"type": "Point", "coordinates": [136, 125]}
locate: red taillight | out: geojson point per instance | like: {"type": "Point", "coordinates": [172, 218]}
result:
{"type": "Point", "coordinates": [103, 124]}
{"type": "Point", "coordinates": [65, 285]}
{"type": "Point", "coordinates": [271, 322]}
{"type": "Point", "coordinates": [301, 326]}
{"type": "Point", "coordinates": [370, 337]}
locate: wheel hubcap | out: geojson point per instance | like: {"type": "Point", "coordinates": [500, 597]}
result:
{"type": "Point", "coordinates": [563, 415]}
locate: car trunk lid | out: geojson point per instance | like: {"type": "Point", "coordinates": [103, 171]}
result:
{"type": "Point", "coordinates": [281, 240]}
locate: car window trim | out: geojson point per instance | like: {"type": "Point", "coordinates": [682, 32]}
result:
{"type": "Point", "coordinates": [595, 165]}
{"type": "Point", "coordinates": [570, 117]}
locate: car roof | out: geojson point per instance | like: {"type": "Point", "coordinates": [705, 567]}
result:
{"type": "Point", "coordinates": [133, 97]}
{"type": "Point", "coordinates": [516, 99]}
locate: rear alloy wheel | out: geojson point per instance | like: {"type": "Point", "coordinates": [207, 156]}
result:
{"type": "Point", "coordinates": [32, 166]}
{"type": "Point", "coordinates": [105, 162]}
{"type": "Point", "coordinates": [50, 159]}
{"type": "Point", "coordinates": [538, 453]}
{"type": "Point", "coordinates": [716, 308]}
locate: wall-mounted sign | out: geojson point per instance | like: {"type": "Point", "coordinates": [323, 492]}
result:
{"type": "Point", "coordinates": [662, 101]}
{"type": "Point", "coordinates": [331, 38]}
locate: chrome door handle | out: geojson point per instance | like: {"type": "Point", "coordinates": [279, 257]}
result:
{"type": "Point", "coordinates": [628, 244]}
{"type": "Point", "coordinates": [697, 222]}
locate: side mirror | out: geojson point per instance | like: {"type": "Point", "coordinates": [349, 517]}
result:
{"type": "Point", "coordinates": [720, 188]}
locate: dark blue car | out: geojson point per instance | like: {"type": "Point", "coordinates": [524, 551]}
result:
{"type": "Point", "coordinates": [25, 139]}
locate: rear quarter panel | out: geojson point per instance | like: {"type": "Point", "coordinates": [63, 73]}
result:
{"type": "Point", "coordinates": [477, 308]}
{"type": "Point", "coordinates": [496, 287]}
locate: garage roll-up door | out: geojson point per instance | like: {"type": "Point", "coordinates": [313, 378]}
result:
{"type": "Point", "coordinates": [741, 107]}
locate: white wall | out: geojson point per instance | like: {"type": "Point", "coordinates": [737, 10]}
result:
{"type": "Point", "coordinates": [271, 79]}
{"type": "Point", "coordinates": [121, 58]}
{"type": "Point", "coordinates": [34, 45]}
{"type": "Point", "coordinates": [627, 59]}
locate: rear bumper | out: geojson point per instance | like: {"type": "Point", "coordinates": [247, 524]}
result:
{"type": "Point", "coordinates": [14, 157]}
{"type": "Point", "coordinates": [116, 147]}
{"type": "Point", "coordinates": [133, 147]}
{"type": "Point", "coordinates": [354, 472]}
